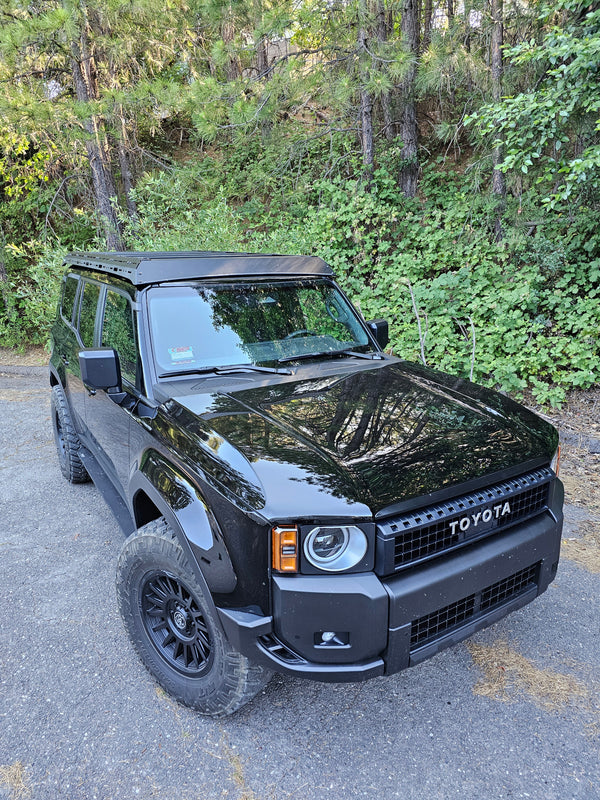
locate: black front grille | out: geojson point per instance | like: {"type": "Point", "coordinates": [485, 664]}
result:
{"type": "Point", "coordinates": [416, 545]}
{"type": "Point", "coordinates": [435, 625]}
{"type": "Point", "coordinates": [527, 503]}
{"type": "Point", "coordinates": [416, 536]}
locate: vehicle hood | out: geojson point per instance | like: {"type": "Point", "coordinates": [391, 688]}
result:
{"type": "Point", "coordinates": [369, 438]}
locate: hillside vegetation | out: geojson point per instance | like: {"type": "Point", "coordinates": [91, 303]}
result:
{"type": "Point", "coordinates": [444, 160]}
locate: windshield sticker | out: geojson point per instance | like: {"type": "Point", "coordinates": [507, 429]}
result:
{"type": "Point", "coordinates": [181, 355]}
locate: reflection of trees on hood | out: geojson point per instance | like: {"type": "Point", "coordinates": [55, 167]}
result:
{"type": "Point", "coordinates": [369, 413]}
{"type": "Point", "coordinates": [365, 418]}
{"type": "Point", "coordinates": [377, 435]}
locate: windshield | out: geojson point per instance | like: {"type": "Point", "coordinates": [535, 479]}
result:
{"type": "Point", "coordinates": [198, 326]}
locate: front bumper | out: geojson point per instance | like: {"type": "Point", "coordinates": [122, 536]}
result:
{"type": "Point", "coordinates": [383, 626]}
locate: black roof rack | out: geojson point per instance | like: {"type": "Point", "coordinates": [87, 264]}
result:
{"type": "Point", "coordinates": [142, 269]}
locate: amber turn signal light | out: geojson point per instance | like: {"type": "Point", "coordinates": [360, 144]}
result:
{"type": "Point", "coordinates": [284, 542]}
{"type": "Point", "coordinates": [555, 465]}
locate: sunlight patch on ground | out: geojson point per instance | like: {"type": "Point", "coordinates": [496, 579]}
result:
{"type": "Point", "coordinates": [581, 488]}
{"type": "Point", "coordinates": [32, 356]}
{"type": "Point", "coordinates": [507, 674]}
{"type": "Point", "coordinates": [584, 550]}
{"type": "Point", "coordinates": [15, 777]}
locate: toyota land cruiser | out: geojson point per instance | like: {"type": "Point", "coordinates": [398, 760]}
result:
{"type": "Point", "coordinates": [295, 499]}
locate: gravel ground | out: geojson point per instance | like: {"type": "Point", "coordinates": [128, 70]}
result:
{"type": "Point", "coordinates": [512, 713]}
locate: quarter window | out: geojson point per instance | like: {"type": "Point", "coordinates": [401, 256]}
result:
{"type": "Point", "coordinates": [68, 298]}
{"type": "Point", "coordinates": [87, 313]}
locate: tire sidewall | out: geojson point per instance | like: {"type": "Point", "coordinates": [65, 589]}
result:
{"type": "Point", "coordinates": [61, 441]}
{"type": "Point", "coordinates": [66, 439]}
{"type": "Point", "coordinates": [137, 563]}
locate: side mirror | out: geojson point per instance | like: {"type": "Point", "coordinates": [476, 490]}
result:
{"type": "Point", "coordinates": [380, 330]}
{"type": "Point", "coordinates": [100, 368]}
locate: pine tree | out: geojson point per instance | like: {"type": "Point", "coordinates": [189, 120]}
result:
{"type": "Point", "coordinates": [70, 73]}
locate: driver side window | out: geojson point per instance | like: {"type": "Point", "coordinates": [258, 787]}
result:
{"type": "Point", "coordinates": [118, 331]}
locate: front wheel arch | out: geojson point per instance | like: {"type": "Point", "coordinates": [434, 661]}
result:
{"type": "Point", "coordinates": [175, 628]}
{"type": "Point", "coordinates": [190, 520]}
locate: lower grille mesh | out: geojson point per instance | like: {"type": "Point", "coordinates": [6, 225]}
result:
{"type": "Point", "coordinates": [432, 626]}
{"type": "Point", "coordinates": [509, 587]}
{"type": "Point", "coordinates": [429, 627]}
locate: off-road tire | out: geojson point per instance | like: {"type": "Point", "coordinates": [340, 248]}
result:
{"type": "Point", "coordinates": [175, 628]}
{"type": "Point", "coordinates": [66, 439]}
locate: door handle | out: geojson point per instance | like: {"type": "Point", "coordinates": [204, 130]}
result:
{"type": "Point", "coordinates": [65, 360]}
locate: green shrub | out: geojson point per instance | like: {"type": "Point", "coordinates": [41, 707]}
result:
{"type": "Point", "coordinates": [28, 304]}
{"type": "Point", "coordinates": [528, 307]}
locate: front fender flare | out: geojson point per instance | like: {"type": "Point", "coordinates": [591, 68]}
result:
{"type": "Point", "coordinates": [188, 515]}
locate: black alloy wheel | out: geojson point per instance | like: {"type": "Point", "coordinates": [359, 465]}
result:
{"type": "Point", "coordinates": [175, 624]}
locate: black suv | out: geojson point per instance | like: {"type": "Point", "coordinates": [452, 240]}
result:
{"type": "Point", "coordinates": [295, 499]}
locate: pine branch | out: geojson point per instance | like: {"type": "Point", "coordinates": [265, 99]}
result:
{"type": "Point", "coordinates": [36, 73]}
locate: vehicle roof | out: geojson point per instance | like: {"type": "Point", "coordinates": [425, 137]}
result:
{"type": "Point", "coordinates": [142, 269]}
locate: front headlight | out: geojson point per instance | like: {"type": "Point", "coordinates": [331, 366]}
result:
{"type": "Point", "coordinates": [335, 548]}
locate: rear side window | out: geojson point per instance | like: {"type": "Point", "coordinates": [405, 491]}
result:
{"type": "Point", "coordinates": [118, 331]}
{"type": "Point", "coordinates": [87, 313]}
{"type": "Point", "coordinates": [68, 298]}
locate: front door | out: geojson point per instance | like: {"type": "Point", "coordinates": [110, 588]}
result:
{"type": "Point", "coordinates": [108, 422]}
{"type": "Point", "coordinates": [85, 322]}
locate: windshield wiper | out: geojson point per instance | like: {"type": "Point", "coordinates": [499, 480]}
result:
{"type": "Point", "coordinates": [330, 354]}
{"type": "Point", "coordinates": [229, 370]}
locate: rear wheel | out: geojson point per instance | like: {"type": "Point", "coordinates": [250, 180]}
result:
{"type": "Point", "coordinates": [66, 439]}
{"type": "Point", "coordinates": [174, 627]}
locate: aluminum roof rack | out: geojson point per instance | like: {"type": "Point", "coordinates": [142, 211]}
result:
{"type": "Point", "coordinates": [142, 269]}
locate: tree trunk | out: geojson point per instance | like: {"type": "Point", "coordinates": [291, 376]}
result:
{"type": "Point", "coordinates": [233, 68]}
{"type": "Point", "coordinates": [261, 46]}
{"type": "Point", "coordinates": [262, 56]}
{"type": "Point", "coordinates": [126, 170]}
{"type": "Point", "coordinates": [427, 15]}
{"type": "Point", "coordinates": [468, 33]}
{"type": "Point", "coordinates": [383, 32]}
{"type": "Point", "coordinates": [85, 83]}
{"type": "Point", "coordinates": [408, 123]}
{"type": "Point", "coordinates": [366, 130]}
{"type": "Point", "coordinates": [366, 99]}
{"type": "Point", "coordinates": [498, 178]}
